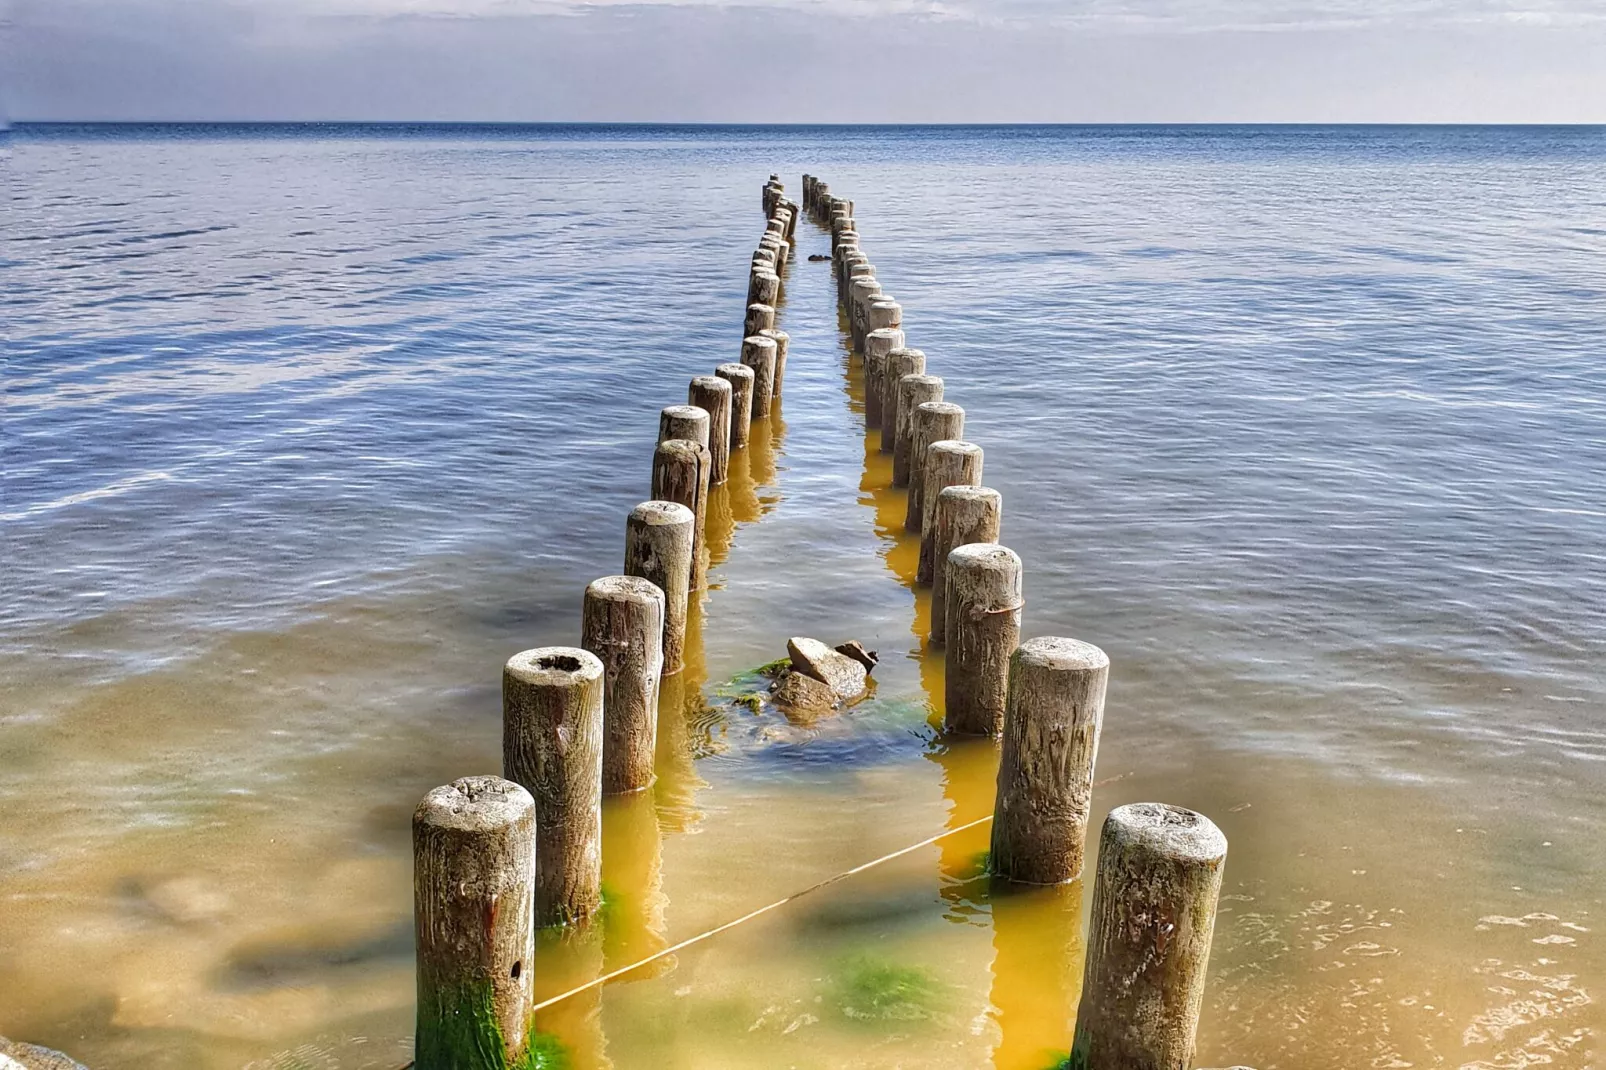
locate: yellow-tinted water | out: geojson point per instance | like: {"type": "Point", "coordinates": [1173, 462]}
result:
{"type": "Point", "coordinates": [204, 854]}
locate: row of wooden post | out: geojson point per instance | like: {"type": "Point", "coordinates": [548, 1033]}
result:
{"type": "Point", "coordinates": [1160, 867]}
{"type": "Point", "coordinates": [495, 858]}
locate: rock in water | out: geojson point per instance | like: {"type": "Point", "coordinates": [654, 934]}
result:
{"type": "Point", "coordinates": [811, 657]}
{"type": "Point", "coordinates": [804, 695]}
{"type": "Point", "coordinates": [33, 1057]}
{"type": "Point", "coordinates": [855, 650]}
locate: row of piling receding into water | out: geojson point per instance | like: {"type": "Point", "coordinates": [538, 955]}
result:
{"type": "Point", "coordinates": [495, 858]}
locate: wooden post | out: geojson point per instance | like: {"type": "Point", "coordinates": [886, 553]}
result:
{"type": "Point", "coordinates": [883, 312]}
{"type": "Point", "coordinates": [983, 589]}
{"type": "Point", "coordinates": [552, 746]}
{"type": "Point", "coordinates": [758, 353]}
{"type": "Point", "coordinates": [900, 362]}
{"type": "Point", "coordinates": [1148, 941]}
{"type": "Point", "coordinates": [932, 421]}
{"type": "Point", "coordinates": [764, 288]}
{"type": "Point", "coordinates": [658, 547]}
{"type": "Point", "coordinates": [473, 923]}
{"type": "Point", "coordinates": [690, 422]}
{"type": "Point", "coordinates": [913, 391]}
{"type": "Point", "coordinates": [959, 515]}
{"type": "Point", "coordinates": [857, 266]}
{"type": "Point", "coordinates": [681, 469]}
{"type": "Point", "coordinates": [948, 463]}
{"type": "Point", "coordinates": [781, 340]}
{"type": "Point", "coordinates": [759, 318]}
{"type": "Point", "coordinates": [860, 292]}
{"type": "Point", "coordinates": [741, 379]}
{"type": "Point", "coordinates": [1045, 775]}
{"type": "Point", "coordinates": [713, 395]}
{"type": "Point", "coordinates": [877, 344]}
{"type": "Point", "coordinates": [622, 623]}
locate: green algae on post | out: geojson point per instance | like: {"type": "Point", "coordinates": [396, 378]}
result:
{"type": "Point", "coordinates": [474, 891]}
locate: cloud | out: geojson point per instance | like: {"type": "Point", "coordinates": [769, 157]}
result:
{"type": "Point", "coordinates": [812, 60]}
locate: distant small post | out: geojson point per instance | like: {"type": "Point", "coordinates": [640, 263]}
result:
{"type": "Point", "coordinates": [758, 353]}
{"type": "Point", "coordinates": [622, 623]}
{"type": "Point", "coordinates": [984, 602]}
{"type": "Point", "coordinates": [1148, 941]}
{"type": "Point", "coordinates": [961, 515]}
{"type": "Point", "coordinates": [658, 547]}
{"type": "Point", "coordinates": [883, 312]}
{"type": "Point", "coordinates": [781, 340]}
{"type": "Point", "coordinates": [877, 344]}
{"type": "Point", "coordinates": [900, 362]}
{"type": "Point", "coordinates": [1045, 775]}
{"type": "Point", "coordinates": [860, 293]}
{"type": "Point", "coordinates": [933, 421]}
{"type": "Point", "coordinates": [763, 288]}
{"type": "Point", "coordinates": [680, 473]}
{"type": "Point", "coordinates": [759, 318]}
{"type": "Point", "coordinates": [949, 463]}
{"type": "Point", "coordinates": [713, 395]}
{"type": "Point", "coordinates": [913, 391]}
{"type": "Point", "coordinates": [473, 921]}
{"type": "Point", "coordinates": [690, 422]}
{"type": "Point", "coordinates": [552, 746]}
{"type": "Point", "coordinates": [741, 379]}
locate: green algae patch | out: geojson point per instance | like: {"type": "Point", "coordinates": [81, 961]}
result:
{"type": "Point", "coordinates": [458, 1030]}
{"type": "Point", "coordinates": [867, 990]}
{"type": "Point", "coordinates": [773, 669]}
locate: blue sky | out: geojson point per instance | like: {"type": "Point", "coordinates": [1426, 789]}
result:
{"type": "Point", "coordinates": [811, 60]}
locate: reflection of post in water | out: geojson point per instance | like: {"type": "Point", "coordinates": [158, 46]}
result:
{"type": "Point", "coordinates": [632, 883]}
{"type": "Point", "coordinates": [969, 774]}
{"type": "Point", "coordinates": [567, 956]}
{"type": "Point", "coordinates": [720, 530]}
{"type": "Point", "coordinates": [890, 504]}
{"type": "Point", "coordinates": [680, 705]}
{"type": "Point", "coordinates": [1037, 975]}
{"type": "Point", "coordinates": [764, 444]}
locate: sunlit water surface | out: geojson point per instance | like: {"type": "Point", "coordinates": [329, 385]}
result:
{"type": "Point", "coordinates": [308, 429]}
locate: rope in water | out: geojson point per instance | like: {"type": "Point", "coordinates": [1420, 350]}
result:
{"type": "Point", "coordinates": [750, 915]}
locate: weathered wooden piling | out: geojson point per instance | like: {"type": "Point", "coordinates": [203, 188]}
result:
{"type": "Point", "coordinates": [983, 590]}
{"type": "Point", "coordinates": [681, 471]}
{"type": "Point", "coordinates": [781, 340]}
{"type": "Point", "coordinates": [900, 362]}
{"type": "Point", "coordinates": [1148, 943]}
{"type": "Point", "coordinates": [933, 421]}
{"type": "Point", "coordinates": [658, 547]}
{"type": "Point", "coordinates": [877, 344]}
{"type": "Point", "coordinates": [741, 379]}
{"type": "Point", "coordinates": [1045, 774]}
{"type": "Point", "coordinates": [688, 421]}
{"type": "Point", "coordinates": [860, 292]}
{"type": "Point", "coordinates": [882, 313]}
{"type": "Point", "coordinates": [758, 353]}
{"type": "Point", "coordinates": [763, 288]}
{"type": "Point", "coordinates": [948, 463]}
{"type": "Point", "coordinates": [552, 746]}
{"type": "Point", "coordinates": [958, 516]}
{"type": "Point", "coordinates": [474, 846]}
{"type": "Point", "coordinates": [913, 391]}
{"type": "Point", "coordinates": [622, 623]}
{"type": "Point", "coordinates": [758, 318]}
{"type": "Point", "coordinates": [713, 395]}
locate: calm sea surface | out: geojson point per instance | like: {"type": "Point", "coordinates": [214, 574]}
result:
{"type": "Point", "coordinates": [307, 429]}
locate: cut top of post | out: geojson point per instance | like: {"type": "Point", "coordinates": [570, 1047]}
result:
{"type": "Point", "coordinates": [558, 666]}
{"type": "Point", "coordinates": [683, 421]}
{"type": "Point", "coordinates": [474, 804]}
{"type": "Point", "coordinates": [660, 514]}
{"type": "Point", "coordinates": [1167, 831]}
{"type": "Point", "coordinates": [1061, 654]}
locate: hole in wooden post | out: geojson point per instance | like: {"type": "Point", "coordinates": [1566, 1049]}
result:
{"type": "Point", "coordinates": [561, 662]}
{"type": "Point", "coordinates": [518, 967]}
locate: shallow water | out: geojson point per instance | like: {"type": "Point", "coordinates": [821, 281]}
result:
{"type": "Point", "coordinates": [308, 429]}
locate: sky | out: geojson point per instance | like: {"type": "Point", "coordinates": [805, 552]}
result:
{"type": "Point", "coordinates": [808, 60]}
